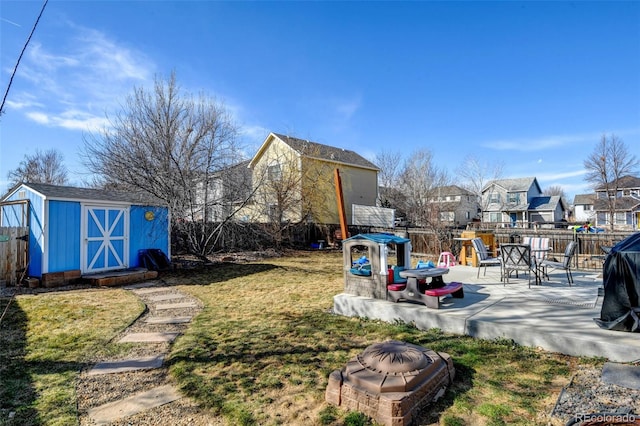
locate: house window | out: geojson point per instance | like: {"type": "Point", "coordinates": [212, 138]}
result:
{"type": "Point", "coordinates": [274, 172]}
{"type": "Point", "coordinates": [467, 215]}
{"type": "Point", "coordinates": [495, 217]}
{"type": "Point", "coordinates": [273, 212]}
{"type": "Point", "coordinates": [447, 216]}
{"type": "Point", "coordinates": [621, 218]}
{"type": "Point", "coordinates": [494, 198]}
{"type": "Point", "coordinates": [513, 198]}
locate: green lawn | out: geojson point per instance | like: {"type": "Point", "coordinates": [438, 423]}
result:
{"type": "Point", "coordinates": [260, 351]}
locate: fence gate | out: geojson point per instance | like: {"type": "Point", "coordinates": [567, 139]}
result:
{"type": "Point", "coordinates": [14, 254]}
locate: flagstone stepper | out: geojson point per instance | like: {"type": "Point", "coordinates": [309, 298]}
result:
{"type": "Point", "coordinates": [107, 413]}
{"type": "Point", "coordinates": [149, 337]}
{"type": "Point", "coordinates": [176, 306]}
{"type": "Point", "coordinates": [162, 297]}
{"type": "Point", "coordinates": [144, 363]}
{"type": "Point", "coordinates": [168, 320]}
{"type": "Point", "coordinates": [147, 290]}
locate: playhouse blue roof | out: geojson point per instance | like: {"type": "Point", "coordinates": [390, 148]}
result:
{"type": "Point", "coordinates": [380, 238]}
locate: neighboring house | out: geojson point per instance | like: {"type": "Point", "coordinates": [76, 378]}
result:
{"type": "Point", "coordinates": [519, 202]}
{"type": "Point", "coordinates": [227, 191]}
{"type": "Point", "coordinates": [583, 208]}
{"type": "Point", "coordinates": [625, 193]}
{"type": "Point", "coordinates": [293, 180]}
{"type": "Point", "coordinates": [454, 206]}
{"type": "Point", "coordinates": [547, 208]}
{"type": "Point", "coordinates": [86, 230]}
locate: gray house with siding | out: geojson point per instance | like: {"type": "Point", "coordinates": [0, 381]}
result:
{"type": "Point", "coordinates": [519, 202]}
{"type": "Point", "coordinates": [625, 196]}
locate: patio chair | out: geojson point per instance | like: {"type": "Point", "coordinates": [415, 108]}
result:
{"type": "Point", "coordinates": [483, 256]}
{"type": "Point", "coordinates": [539, 247]}
{"type": "Point", "coordinates": [565, 263]}
{"type": "Point", "coordinates": [515, 258]}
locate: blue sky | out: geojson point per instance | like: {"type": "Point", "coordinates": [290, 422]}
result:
{"type": "Point", "coordinates": [531, 84]}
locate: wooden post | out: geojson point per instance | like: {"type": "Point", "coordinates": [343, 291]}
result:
{"type": "Point", "coordinates": [341, 213]}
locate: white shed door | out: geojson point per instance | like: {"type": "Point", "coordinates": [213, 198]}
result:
{"type": "Point", "coordinates": [105, 238]}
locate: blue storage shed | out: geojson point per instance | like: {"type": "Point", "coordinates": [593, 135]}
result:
{"type": "Point", "coordinates": [85, 229]}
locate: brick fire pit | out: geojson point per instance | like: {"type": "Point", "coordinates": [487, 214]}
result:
{"type": "Point", "coordinates": [391, 381]}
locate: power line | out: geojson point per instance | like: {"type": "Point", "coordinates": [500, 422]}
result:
{"type": "Point", "coordinates": [15, 69]}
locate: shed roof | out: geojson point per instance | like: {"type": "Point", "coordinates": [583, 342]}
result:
{"type": "Point", "coordinates": [86, 194]}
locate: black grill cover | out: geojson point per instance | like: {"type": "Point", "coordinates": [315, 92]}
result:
{"type": "Point", "coordinates": [621, 276]}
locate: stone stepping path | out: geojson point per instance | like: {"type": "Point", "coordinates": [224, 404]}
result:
{"type": "Point", "coordinates": [149, 337]}
{"type": "Point", "coordinates": [176, 306]}
{"type": "Point", "coordinates": [163, 297]}
{"type": "Point", "coordinates": [150, 294]}
{"type": "Point", "coordinates": [134, 404]}
{"type": "Point", "coordinates": [168, 320]}
{"type": "Point", "coordinates": [149, 290]}
{"type": "Point", "coordinates": [133, 364]}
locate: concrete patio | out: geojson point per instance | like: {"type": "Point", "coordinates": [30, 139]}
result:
{"type": "Point", "coordinates": [551, 316]}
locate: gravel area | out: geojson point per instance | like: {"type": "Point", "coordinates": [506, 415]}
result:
{"type": "Point", "coordinates": [588, 394]}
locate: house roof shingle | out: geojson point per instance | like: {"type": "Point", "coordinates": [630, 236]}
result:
{"type": "Point", "coordinates": [584, 199]}
{"type": "Point", "coordinates": [452, 190]}
{"type": "Point", "coordinates": [547, 202]}
{"type": "Point", "coordinates": [326, 152]}
{"type": "Point", "coordinates": [622, 204]}
{"type": "Point", "coordinates": [513, 185]}
{"type": "Point", "coordinates": [625, 182]}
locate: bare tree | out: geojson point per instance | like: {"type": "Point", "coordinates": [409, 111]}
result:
{"type": "Point", "coordinates": [388, 178]}
{"type": "Point", "coordinates": [475, 175]}
{"type": "Point", "coordinates": [170, 145]}
{"type": "Point", "coordinates": [606, 165]}
{"type": "Point", "coordinates": [420, 177]}
{"type": "Point", "coordinates": [555, 190]}
{"type": "Point", "coordinates": [41, 167]}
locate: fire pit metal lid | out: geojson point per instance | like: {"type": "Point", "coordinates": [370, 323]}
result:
{"type": "Point", "coordinates": [392, 366]}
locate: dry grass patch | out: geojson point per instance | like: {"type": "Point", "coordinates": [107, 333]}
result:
{"type": "Point", "coordinates": [46, 340]}
{"type": "Point", "coordinates": [262, 349]}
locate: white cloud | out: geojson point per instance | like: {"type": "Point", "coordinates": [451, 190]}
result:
{"type": "Point", "coordinates": [563, 175]}
{"type": "Point", "coordinates": [541, 143]}
{"type": "Point", "coordinates": [72, 83]}
{"type": "Point", "coordinates": [24, 101]}
{"type": "Point", "coordinates": [38, 117]}
{"type": "Point", "coordinates": [346, 108]}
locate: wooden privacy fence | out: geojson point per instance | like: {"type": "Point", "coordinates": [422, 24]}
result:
{"type": "Point", "coordinates": [589, 255]}
{"type": "Point", "coordinates": [13, 254]}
